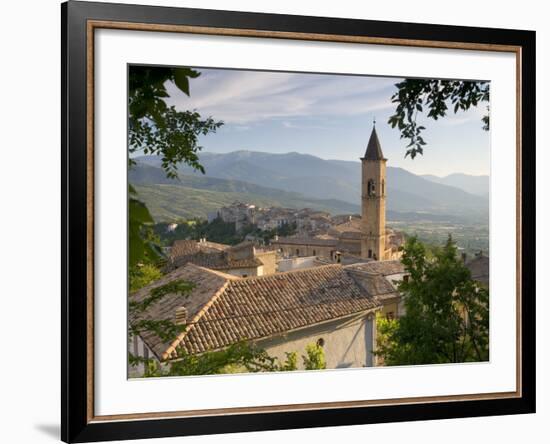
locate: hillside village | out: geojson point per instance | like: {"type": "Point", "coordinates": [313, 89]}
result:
{"type": "Point", "coordinates": [323, 284]}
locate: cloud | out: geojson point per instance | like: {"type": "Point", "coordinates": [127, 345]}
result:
{"type": "Point", "coordinates": [244, 97]}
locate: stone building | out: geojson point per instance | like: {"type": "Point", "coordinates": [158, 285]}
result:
{"type": "Point", "coordinates": [375, 242]}
{"type": "Point", "coordinates": [394, 272]}
{"type": "Point", "coordinates": [333, 306]}
{"type": "Point", "coordinates": [242, 260]}
{"type": "Point", "coordinates": [366, 236]}
{"type": "Point", "coordinates": [306, 246]}
{"type": "Point", "coordinates": [239, 213]}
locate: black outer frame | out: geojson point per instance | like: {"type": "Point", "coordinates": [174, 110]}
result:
{"type": "Point", "coordinates": [74, 423]}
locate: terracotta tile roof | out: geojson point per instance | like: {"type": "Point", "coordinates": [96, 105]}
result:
{"type": "Point", "coordinates": [207, 284]}
{"type": "Point", "coordinates": [184, 247]}
{"type": "Point", "coordinates": [374, 284]}
{"type": "Point", "coordinates": [305, 241]}
{"type": "Point", "coordinates": [209, 255]}
{"type": "Point", "coordinates": [215, 245]}
{"type": "Point", "coordinates": [215, 261]}
{"type": "Point", "coordinates": [385, 268]}
{"type": "Point", "coordinates": [353, 225]}
{"type": "Point", "coordinates": [263, 306]}
{"type": "Point", "coordinates": [187, 247]}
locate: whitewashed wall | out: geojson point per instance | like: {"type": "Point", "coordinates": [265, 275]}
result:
{"type": "Point", "coordinates": [347, 343]}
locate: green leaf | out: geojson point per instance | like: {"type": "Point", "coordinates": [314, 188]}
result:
{"type": "Point", "coordinates": [181, 80]}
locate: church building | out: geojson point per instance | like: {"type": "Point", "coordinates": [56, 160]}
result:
{"type": "Point", "coordinates": [375, 242]}
{"type": "Point", "coordinates": [365, 238]}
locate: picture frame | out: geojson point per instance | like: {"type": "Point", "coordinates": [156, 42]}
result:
{"type": "Point", "coordinates": [80, 22]}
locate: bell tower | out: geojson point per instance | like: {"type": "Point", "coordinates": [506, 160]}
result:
{"type": "Point", "coordinates": [373, 200]}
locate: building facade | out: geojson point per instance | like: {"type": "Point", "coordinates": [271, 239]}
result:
{"type": "Point", "coordinates": [333, 306]}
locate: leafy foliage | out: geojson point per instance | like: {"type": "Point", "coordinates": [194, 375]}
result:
{"type": "Point", "coordinates": [142, 245]}
{"type": "Point", "coordinates": [142, 275]}
{"type": "Point", "coordinates": [239, 357]}
{"type": "Point", "coordinates": [315, 357]}
{"type": "Point", "coordinates": [155, 127]}
{"type": "Point", "coordinates": [218, 231]}
{"type": "Point", "coordinates": [414, 96]}
{"type": "Point", "coordinates": [447, 313]}
{"type": "Point", "coordinates": [178, 287]}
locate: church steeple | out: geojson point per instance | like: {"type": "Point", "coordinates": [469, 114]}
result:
{"type": "Point", "coordinates": [374, 150]}
{"type": "Point", "coordinates": [373, 200]}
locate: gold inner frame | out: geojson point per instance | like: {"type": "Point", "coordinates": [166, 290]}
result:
{"type": "Point", "coordinates": [92, 25]}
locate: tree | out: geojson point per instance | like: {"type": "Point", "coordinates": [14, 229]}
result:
{"type": "Point", "coordinates": [155, 127]}
{"type": "Point", "coordinates": [142, 275]}
{"type": "Point", "coordinates": [415, 95]}
{"type": "Point", "coordinates": [315, 357]}
{"type": "Point", "coordinates": [447, 313]}
{"type": "Point", "coordinates": [159, 129]}
{"type": "Point", "coordinates": [144, 245]}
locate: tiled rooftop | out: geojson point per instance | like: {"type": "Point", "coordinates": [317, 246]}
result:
{"type": "Point", "coordinates": [209, 255]}
{"type": "Point", "coordinates": [385, 268]}
{"type": "Point", "coordinates": [223, 309]}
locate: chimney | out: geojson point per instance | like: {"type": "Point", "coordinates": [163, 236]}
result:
{"type": "Point", "coordinates": [181, 315]}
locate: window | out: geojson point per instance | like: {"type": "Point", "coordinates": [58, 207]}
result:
{"type": "Point", "coordinates": [382, 188]}
{"type": "Point", "coordinates": [390, 315]}
{"type": "Point", "coordinates": [297, 252]}
{"type": "Point", "coordinates": [314, 253]}
{"type": "Point", "coordinates": [320, 342]}
{"type": "Point", "coordinates": [371, 189]}
{"type": "Point", "coordinates": [370, 253]}
{"type": "Point", "coordinates": [406, 278]}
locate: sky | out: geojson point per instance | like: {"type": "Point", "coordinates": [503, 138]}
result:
{"type": "Point", "coordinates": [328, 116]}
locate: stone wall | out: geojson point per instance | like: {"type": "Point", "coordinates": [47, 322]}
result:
{"type": "Point", "coordinates": [269, 261]}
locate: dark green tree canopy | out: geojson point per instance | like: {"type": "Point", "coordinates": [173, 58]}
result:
{"type": "Point", "coordinates": [155, 127]}
{"type": "Point", "coordinates": [416, 96]}
{"type": "Point", "coordinates": [447, 313]}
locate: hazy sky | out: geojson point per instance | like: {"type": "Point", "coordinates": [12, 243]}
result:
{"type": "Point", "coordinates": [328, 116]}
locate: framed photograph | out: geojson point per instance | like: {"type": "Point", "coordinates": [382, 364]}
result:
{"type": "Point", "coordinates": [275, 221]}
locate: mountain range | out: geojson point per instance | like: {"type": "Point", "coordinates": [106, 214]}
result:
{"type": "Point", "coordinates": [478, 185]}
{"type": "Point", "coordinates": [300, 180]}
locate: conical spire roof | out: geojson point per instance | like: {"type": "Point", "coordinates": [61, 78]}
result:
{"type": "Point", "coordinates": [374, 150]}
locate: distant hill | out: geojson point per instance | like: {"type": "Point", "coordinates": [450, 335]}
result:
{"type": "Point", "coordinates": [478, 185]}
{"type": "Point", "coordinates": [315, 178]}
{"type": "Point", "coordinates": [195, 196]}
